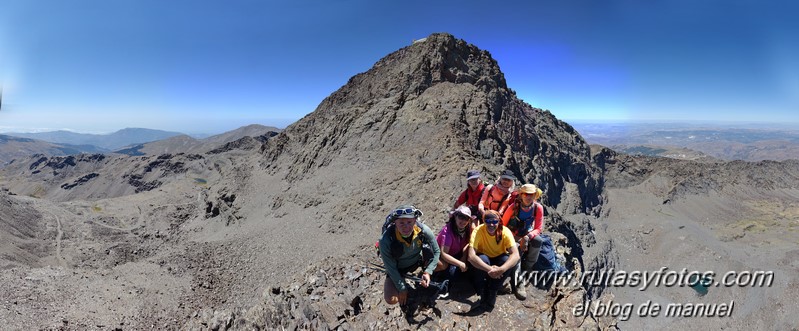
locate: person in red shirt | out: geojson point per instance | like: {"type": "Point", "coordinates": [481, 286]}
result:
{"type": "Point", "coordinates": [470, 197]}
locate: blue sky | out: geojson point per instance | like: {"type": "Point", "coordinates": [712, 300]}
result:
{"type": "Point", "coordinates": [211, 66]}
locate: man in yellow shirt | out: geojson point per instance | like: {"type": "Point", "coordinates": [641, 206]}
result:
{"type": "Point", "coordinates": [493, 255]}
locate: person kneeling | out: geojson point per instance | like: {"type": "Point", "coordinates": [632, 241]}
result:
{"type": "Point", "coordinates": [401, 251]}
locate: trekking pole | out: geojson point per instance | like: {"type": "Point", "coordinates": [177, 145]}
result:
{"type": "Point", "coordinates": [439, 286]}
{"type": "Point", "coordinates": [377, 269]}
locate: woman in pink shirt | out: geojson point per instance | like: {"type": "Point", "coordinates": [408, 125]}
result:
{"type": "Point", "coordinates": [453, 239]}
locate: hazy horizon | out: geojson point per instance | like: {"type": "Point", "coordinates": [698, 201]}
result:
{"type": "Point", "coordinates": [763, 125]}
{"type": "Point", "coordinates": [105, 132]}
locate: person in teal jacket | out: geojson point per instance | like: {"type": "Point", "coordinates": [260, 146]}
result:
{"type": "Point", "coordinates": [401, 248]}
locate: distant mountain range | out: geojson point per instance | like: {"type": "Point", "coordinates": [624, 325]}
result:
{"type": "Point", "coordinates": [108, 142]}
{"type": "Point", "coordinates": [186, 144]}
{"type": "Point", "coordinates": [131, 141]}
{"type": "Point", "coordinates": [749, 143]}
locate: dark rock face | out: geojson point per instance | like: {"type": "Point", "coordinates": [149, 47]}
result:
{"type": "Point", "coordinates": [442, 101]}
{"type": "Point", "coordinates": [80, 181]}
{"type": "Point", "coordinates": [57, 163]}
{"type": "Point", "coordinates": [136, 181]}
{"type": "Point", "coordinates": [36, 163]}
{"type": "Point", "coordinates": [245, 143]}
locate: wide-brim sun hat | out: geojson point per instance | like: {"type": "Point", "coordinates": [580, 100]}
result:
{"type": "Point", "coordinates": [530, 189]}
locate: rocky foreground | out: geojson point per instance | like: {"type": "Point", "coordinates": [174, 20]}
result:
{"type": "Point", "coordinates": [346, 294]}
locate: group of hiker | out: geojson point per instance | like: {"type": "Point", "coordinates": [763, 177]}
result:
{"type": "Point", "coordinates": [493, 231]}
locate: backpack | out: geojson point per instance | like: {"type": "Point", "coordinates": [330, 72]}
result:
{"type": "Point", "coordinates": [515, 224]}
{"type": "Point", "coordinates": [547, 257]}
{"type": "Point", "coordinates": [396, 245]}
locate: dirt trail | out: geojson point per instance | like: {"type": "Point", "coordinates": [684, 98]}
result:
{"type": "Point", "coordinates": [58, 240]}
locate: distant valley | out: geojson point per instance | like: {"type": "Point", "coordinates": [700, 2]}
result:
{"type": "Point", "coordinates": [748, 142]}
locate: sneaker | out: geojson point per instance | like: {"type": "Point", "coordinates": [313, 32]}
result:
{"type": "Point", "coordinates": [443, 295]}
{"type": "Point", "coordinates": [520, 292]}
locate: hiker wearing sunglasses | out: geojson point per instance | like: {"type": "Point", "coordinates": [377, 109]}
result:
{"type": "Point", "coordinates": [401, 248]}
{"type": "Point", "coordinates": [493, 254]}
{"type": "Point", "coordinates": [525, 219]}
{"type": "Point", "coordinates": [497, 196]}
{"type": "Point", "coordinates": [453, 240]}
{"type": "Point", "coordinates": [472, 195]}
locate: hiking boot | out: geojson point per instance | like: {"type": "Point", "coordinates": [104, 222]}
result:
{"type": "Point", "coordinates": [507, 289]}
{"type": "Point", "coordinates": [520, 292]}
{"type": "Point", "coordinates": [477, 310]}
{"type": "Point", "coordinates": [443, 295]}
{"type": "Point", "coordinates": [489, 300]}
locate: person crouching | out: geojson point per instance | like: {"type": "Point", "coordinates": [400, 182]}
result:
{"type": "Point", "coordinates": [453, 240]}
{"type": "Point", "coordinates": [401, 251]}
{"type": "Point", "coordinates": [493, 254]}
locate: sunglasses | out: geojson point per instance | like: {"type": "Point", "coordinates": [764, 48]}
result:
{"type": "Point", "coordinates": [492, 221]}
{"type": "Point", "coordinates": [406, 211]}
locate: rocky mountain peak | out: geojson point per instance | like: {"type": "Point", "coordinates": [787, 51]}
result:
{"type": "Point", "coordinates": [411, 70]}
{"type": "Point", "coordinates": [441, 104]}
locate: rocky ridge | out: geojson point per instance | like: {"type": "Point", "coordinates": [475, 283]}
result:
{"type": "Point", "coordinates": [406, 131]}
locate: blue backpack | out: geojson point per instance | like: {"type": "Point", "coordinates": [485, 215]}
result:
{"type": "Point", "coordinates": [547, 258]}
